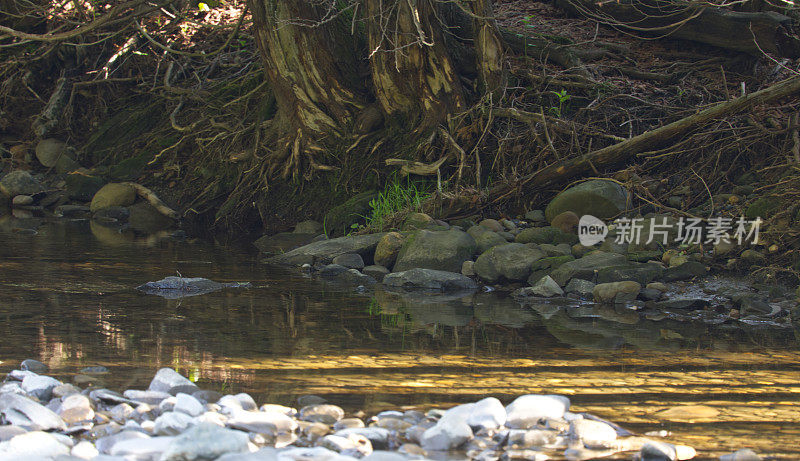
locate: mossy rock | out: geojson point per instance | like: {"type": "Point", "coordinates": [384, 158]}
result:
{"type": "Point", "coordinates": [113, 194]}
{"type": "Point", "coordinates": [340, 219]}
{"type": "Point", "coordinates": [551, 262]}
{"type": "Point", "coordinates": [599, 197]}
{"type": "Point", "coordinates": [763, 208]}
{"type": "Point", "coordinates": [82, 187]}
{"type": "Point", "coordinates": [130, 168]}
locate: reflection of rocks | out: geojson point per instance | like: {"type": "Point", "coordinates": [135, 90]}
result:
{"type": "Point", "coordinates": [493, 310]}
{"type": "Point", "coordinates": [429, 279]}
{"type": "Point", "coordinates": [451, 309]}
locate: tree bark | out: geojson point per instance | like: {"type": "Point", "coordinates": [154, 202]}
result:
{"type": "Point", "coordinates": [412, 72]}
{"type": "Point", "coordinates": [311, 65]}
{"type": "Point", "coordinates": [489, 48]}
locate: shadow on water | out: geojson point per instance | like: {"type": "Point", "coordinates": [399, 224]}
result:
{"type": "Point", "coordinates": [67, 298]}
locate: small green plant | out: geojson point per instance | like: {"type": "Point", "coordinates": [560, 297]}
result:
{"type": "Point", "coordinates": [395, 197]}
{"type": "Point", "coordinates": [563, 97]}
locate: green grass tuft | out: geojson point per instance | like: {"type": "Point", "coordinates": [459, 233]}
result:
{"type": "Point", "coordinates": [395, 198]}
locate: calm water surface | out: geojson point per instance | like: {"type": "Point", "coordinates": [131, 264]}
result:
{"type": "Point", "coordinates": [67, 299]}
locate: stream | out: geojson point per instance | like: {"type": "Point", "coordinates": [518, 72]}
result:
{"type": "Point", "coordinates": [67, 299]}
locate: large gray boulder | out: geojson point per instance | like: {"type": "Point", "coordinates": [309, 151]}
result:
{"type": "Point", "coordinates": [511, 261]}
{"type": "Point", "coordinates": [19, 182]}
{"type": "Point", "coordinates": [585, 267]}
{"type": "Point", "coordinates": [600, 198]}
{"type": "Point", "coordinates": [324, 251]}
{"type": "Point", "coordinates": [429, 279]}
{"type": "Point", "coordinates": [438, 250]}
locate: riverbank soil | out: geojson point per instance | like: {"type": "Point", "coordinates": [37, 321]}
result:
{"type": "Point", "coordinates": [249, 118]}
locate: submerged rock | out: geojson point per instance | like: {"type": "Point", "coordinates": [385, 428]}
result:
{"type": "Point", "coordinates": [324, 251]}
{"type": "Point", "coordinates": [181, 287]}
{"type": "Point", "coordinates": [430, 279]}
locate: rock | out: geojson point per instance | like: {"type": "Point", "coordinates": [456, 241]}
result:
{"type": "Point", "coordinates": [416, 221]}
{"type": "Point", "coordinates": [307, 227]}
{"type": "Point", "coordinates": [430, 279]}
{"type": "Point", "coordinates": [144, 218]}
{"type": "Point", "coordinates": [438, 250]}
{"type": "Point", "coordinates": [207, 396]}
{"type": "Point", "coordinates": [172, 423]}
{"type": "Point", "coordinates": [567, 222]}
{"type": "Point", "coordinates": [685, 271]}
{"type": "Point", "coordinates": [527, 410]}
{"type": "Point", "coordinates": [580, 287]}
{"type": "Point", "coordinates": [40, 386]}
{"type": "Point", "coordinates": [316, 454]}
{"type": "Point", "coordinates": [723, 249]}
{"type": "Point", "coordinates": [355, 445]}
{"type": "Point", "coordinates": [763, 208]}
{"type": "Point", "coordinates": [106, 443]}
{"type": "Point", "coordinates": [145, 448]}
{"type": "Point", "coordinates": [657, 286]}
{"type": "Point", "coordinates": [33, 445]}
{"type": "Point", "coordinates": [66, 164]}
{"type": "Point", "coordinates": [649, 294]}
{"type": "Point", "coordinates": [354, 277]}
{"type": "Point", "coordinates": [350, 261]}
{"type": "Point", "coordinates": [594, 434]}
{"type": "Point", "coordinates": [205, 441]}
{"type": "Point", "coordinates": [384, 456]}
{"type": "Point", "coordinates": [546, 287]}
{"type": "Point", "coordinates": [540, 235]}
{"type": "Point", "coordinates": [34, 366]}
{"type": "Point", "coordinates": [744, 454]}
{"type": "Point", "coordinates": [751, 303]}
{"type": "Point", "coordinates": [752, 257]}
{"type": "Point", "coordinates": [654, 450]}
{"type": "Point", "coordinates": [535, 216]}
{"type": "Point", "coordinates": [271, 423]}
{"type": "Point", "coordinates": [487, 414]}
{"type": "Point", "coordinates": [84, 450]}
{"type": "Point", "coordinates": [185, 403]}
{"type": "Point", "coordinates": [322, 413]}
{"type": "Point", "coordinates": [308, 400]}
{"type": "Point", "coordinates": [485, 238]}
{"type": "Point", "coordinates": [599, 197]}
{"type": "Point", "coordinates": [148, 397]}
{"type": "Point", "coordinates": [681, 304]}
{"type": "Point", "coordinates": [332, 270]}
{"type": "Point", "coordinates": [511, 261]}
{"type": "Point", "coordinates": [492, 225]}
{"type": "Point", "coordinates": [19, 182]}
{"type": "Point", "coordinates": [8, 432]}
{"type": "Point", "coordinates": [677, 260]}
{"type": "Point", "coordinates": [508, 225]}
{"type": "Point", "coordinates": [585, 267]}
{"type": "Point", "coordinates": [643, 273]}
{"type": "Point", "coordinates": [22, 200]}
{"type": "Point", "coordinates": [22, 411]}
{"type": "Point", "coordinates": [49, 151]}
{"type": "Point", "coordinates": [468, 268]}
{"type": "Point", "coordinates": [378, 436]}
{"type": "Point", "coordinates": [388, 247]}
{"type": "Point", "coordinates": [324, 251]}
{"type": "Point", "coordinates": [348, 423]}
{"type": "Point", "coordinates": [339, 220]}
{"type": "Point", "coordinates": [238, 402]}
{"type": "Point", "coordinates": [113, 194]}
{"type": "Point", "coordinates": [377, 272]}
{"type": "Point", "coordinates": [166, 379]}
{"type": "Point", "coordinates": [75, 409]}
{"type": "Point", "coordinates": [447, 434]}
{"type": "Point", "coordinates": [616, 292]}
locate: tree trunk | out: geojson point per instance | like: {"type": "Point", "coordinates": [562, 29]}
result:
{"type": "Point", "coordinates": [488, 47]}
{"type": "Point", "coordinates": [311, 64]}
{"type": "Point", "coordinates": [412, 73]}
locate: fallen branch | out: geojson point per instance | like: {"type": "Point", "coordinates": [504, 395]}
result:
{"type": "Point", "coordinates": [620, 152]}
{"type": "Point", "coordinates": [153, 199]}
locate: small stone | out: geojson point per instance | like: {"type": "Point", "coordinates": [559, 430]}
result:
{"type": "Point", "coordinates": [148, 397]}
{"type": "Point", "coordinates": [546, 287]}
{"type": "Point", "coordinates": [49, 151]}
{"type": "Point", "coordinates": [594, 434]}
{"type": "Point", "coordinates": [145, 448]}
{"type": "Point", "coordinates": [350, 261]}
{"type": "Point", "coordinates": [492, 225]}
{"type": "Point", "coordinates": [487, 414]}
{"type": "Point", "coordinates": [355, 445]}
{"type": "Point", "coordinates": [33, 445]}
{"type": "Point", "coordinates": [567, 222]}
{"type": "Point", "coordinates": [121, 412]}
{"type": "Point", "coordinates": [677, 260]}
{"type": "Point", "coordinates": [580, 287]}
{"type": "Point", "coordinates": [348, 423]}
{"type": "Point", "coordinates": [84, 450]}
{"type": "Point", "coordinates": [388, 248]}
{"type": "Point", "coordinates": [447, 434]}
{"type": "Point", "coordinates": [22, 200]}
{"type": "Point", "coordinates": [508, 225]}
{"type": "Point", "coordinates": [750, 256]}
{"type": "Point", "coordinates": [113, 194]}
{"type": "Point", "coordinates": [271, 423]}
{"type": "Point", "coordinates": [40, 386]}
{"type": "Point", "coordinates": [172, 423]}
{"type": "Point", "coordinates": [322, 413]}
{"type": "Point", "coordinates": [527, 410]}
{"type": "Point", "coordinates": [75, 409]}
{"type": "Point", "coordinates": [166, 379]}
{"type": "Point", "coordinates": [535, 216]}
{"type": "Point", "coordinates": [185, 403]}
{"type": "Point", "coordinates": [744, 454]}
{"type": "Point", "coordinates": [34, 366]}
{"type": "Point", "coordinates": [657, 286]}
{"type": "Point", "coordinates": [616, 292]}
{"type": "Point", "coordinates": [376, 272]}
{"type": "Point", "coordinates": [468, 268]}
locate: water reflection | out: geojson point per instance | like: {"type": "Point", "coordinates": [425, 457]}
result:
{"type": "Point", "coordinates": [67, 298]}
